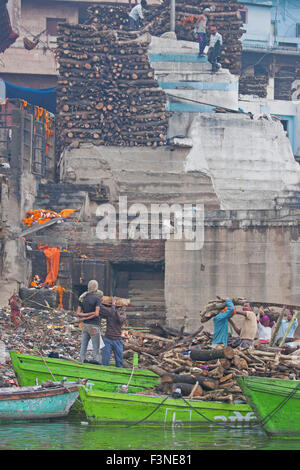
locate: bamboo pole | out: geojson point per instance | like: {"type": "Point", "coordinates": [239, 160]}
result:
{"type": "Point", "coordinates": [288, 330]}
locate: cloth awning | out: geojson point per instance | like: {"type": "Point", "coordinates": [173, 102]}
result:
{"type": "Point", "coordinates": [46, 97]}
{"type": "Point", "coordinates": [7, 35]}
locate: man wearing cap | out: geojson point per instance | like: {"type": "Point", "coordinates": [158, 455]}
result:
{"type": "Point", "coordinates": [220, 334]}
{"type": "Point", "coordinates": [215, 47]}
{"type": "Point", "coordinates": [200, 30]}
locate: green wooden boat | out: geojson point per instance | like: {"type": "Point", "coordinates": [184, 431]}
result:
{"type": "Point", "coordinates": [128, 409]}
{"type": "Point", "coordinates": [36, 369]}
{"type": "Point", "coordinates": [276, 403]}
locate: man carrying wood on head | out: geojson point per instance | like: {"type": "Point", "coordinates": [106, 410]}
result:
{"type": "Point", "coordinates": [220, 335]}
{"type": "Point", "coordinates": [248, 330]}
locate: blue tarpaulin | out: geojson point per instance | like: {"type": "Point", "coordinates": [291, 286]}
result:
{"type": "Point", "coordinates": [46, 98]}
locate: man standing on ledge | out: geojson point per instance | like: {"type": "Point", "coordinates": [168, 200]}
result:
{"type": "Point", "coordinates": [215, 47]}
{"type": "Point", "coordinates": [136, 14]}
{"type": "Point", "coordinates": [200, 30]}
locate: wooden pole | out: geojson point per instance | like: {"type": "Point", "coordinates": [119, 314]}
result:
{"type": "Point", "coordinates": [172, 15]}
{"type": "Point", "coordinates": [274, 336]}
{"type": "Point", "coordinates": [288, 330]}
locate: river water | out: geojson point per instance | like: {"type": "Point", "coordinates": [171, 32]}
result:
{"type": "Point", "coordinates": [72, 433]}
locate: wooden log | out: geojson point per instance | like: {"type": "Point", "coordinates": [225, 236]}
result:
{"type": "Point", "coordinates": [211, 354]}
{"type": "Point", "coordinates": [120, 302]}
{"type": "Point", "coordinates": [186, 389]}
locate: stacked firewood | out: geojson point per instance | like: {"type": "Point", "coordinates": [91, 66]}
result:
{"type": "Point", "coordinates": [284, 79]}
{"type": "Point", "coordinates": [191, 364]}
{"type": "Point", "coordinates": [224, 15]}
{"type": "Point", "coordinates": [106, 89]}
{"type": "Point", "coordinates": [253, 85]}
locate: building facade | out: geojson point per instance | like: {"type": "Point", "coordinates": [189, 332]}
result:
{"type": "Point", "coordinates": [271, 62]}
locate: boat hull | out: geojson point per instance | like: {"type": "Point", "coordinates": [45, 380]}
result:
{"type": "Point", "coordinates": [275, 403]}
{"type": "Point", "coordinates": [29, 369]}
{"type": "Point", "coordinates": [27, 403]}
{"type": "Point", "coordinates": [117, 408]}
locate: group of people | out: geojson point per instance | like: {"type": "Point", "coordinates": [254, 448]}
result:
{"type": "Point", "coordinates": [255, 327]}
{"type": "Point", "coordinates": [90, 311]}
{"type": "Point", "coordinates": [214, 43]}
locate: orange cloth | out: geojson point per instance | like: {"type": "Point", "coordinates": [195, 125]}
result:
{"type": "Point", "coordinates": [61, 291]}
{"type": "Point", "coordinates": [41, 216]}
{"type": "Point", "coordinates": [224, 310]}
{"type": "Point", "coordinates": [52, 261]}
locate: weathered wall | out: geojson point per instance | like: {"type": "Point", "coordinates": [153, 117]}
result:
{"type": "Point", "coordinates": [250, 162]}
{"type": "Point", "coordinates": [260, 263]}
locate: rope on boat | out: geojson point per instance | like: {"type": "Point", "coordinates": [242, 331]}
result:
{"type": "Point", "coordinates": [259, 423]}
{"type": "Point", "coordinates": [207, 419]}
{"type": "Point", "coordinates": [148, 416]}
{"type": "Point", "coordinates": [278, 407]}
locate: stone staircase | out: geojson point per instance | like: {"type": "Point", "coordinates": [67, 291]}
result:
{"type": "Point", "coordinates": [182, 74]}
{"type": "Point", "coordinates": [59, 196]}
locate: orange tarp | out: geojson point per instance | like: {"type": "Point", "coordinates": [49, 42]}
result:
{"type": "Point", "coordinates": [52, 255]}
{"type": "Point", "coordinates": [41, 216]}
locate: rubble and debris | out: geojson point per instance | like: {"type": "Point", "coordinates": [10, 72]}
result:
{"type": "Point", "coordinates": [182, 360]}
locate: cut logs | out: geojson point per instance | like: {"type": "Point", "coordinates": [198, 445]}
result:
{"type": "Point", "coordinates": [106, 91]}
{"type": "Point", "coordinates": [185, 364]}
{"type": "Point", "coordinates": [225, 16]}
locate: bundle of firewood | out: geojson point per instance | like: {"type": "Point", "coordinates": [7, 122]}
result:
{"type": "Point", "coordinates": [224, 15]}
{"type": "Point", "coordinates": [213, 307]}
{"type": "Point", "coordinates": [106, 89]}
{"type": "Point", "coordinates": [188, 362]}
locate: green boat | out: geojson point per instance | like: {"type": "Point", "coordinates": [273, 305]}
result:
{"type": "Point", "coordinates": [128, 409]}
{"type": "Point", "coordinates": [31, 370]}
{"type": "Point", "coordinates": [276, 403]}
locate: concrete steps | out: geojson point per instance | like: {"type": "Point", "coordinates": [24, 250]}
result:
{"type": "Point", "coordinates": [57, 197]}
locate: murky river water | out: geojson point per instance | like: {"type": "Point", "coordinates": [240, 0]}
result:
{"type": "Point", "coordinates": [74, 434]}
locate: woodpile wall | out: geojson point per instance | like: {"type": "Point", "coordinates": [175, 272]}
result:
{"type": "Point", "coordinates": [224, 15]}
{"type": "Point", "coordinates": [284, 78]}
{"type": "Point", "coordinates": [106, 90]}
{"type": "Point", "coordinates": [251, 85]}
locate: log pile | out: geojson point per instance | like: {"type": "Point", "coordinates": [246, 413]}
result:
{"type": "Point", "coordinates": [224, 15]}
{"type": "Point", "coordinates": [189, 363]}
{"type": "Point", "coordinates": [252, 85]}
{"type": "Point", "coordinates": [284, 79]}
{"type": "Point", "coordinates": [106, 89]}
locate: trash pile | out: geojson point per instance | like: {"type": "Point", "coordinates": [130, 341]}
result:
{"type": "Point", "coordinates": [42, 332]}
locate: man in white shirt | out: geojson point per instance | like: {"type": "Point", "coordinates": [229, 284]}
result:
{"type": "Point", "coordinates": [215, 47]}
{"type": "Point", "coordinates": [285, 324]}
{"type": "Point", "coordinates": [136, 14]}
